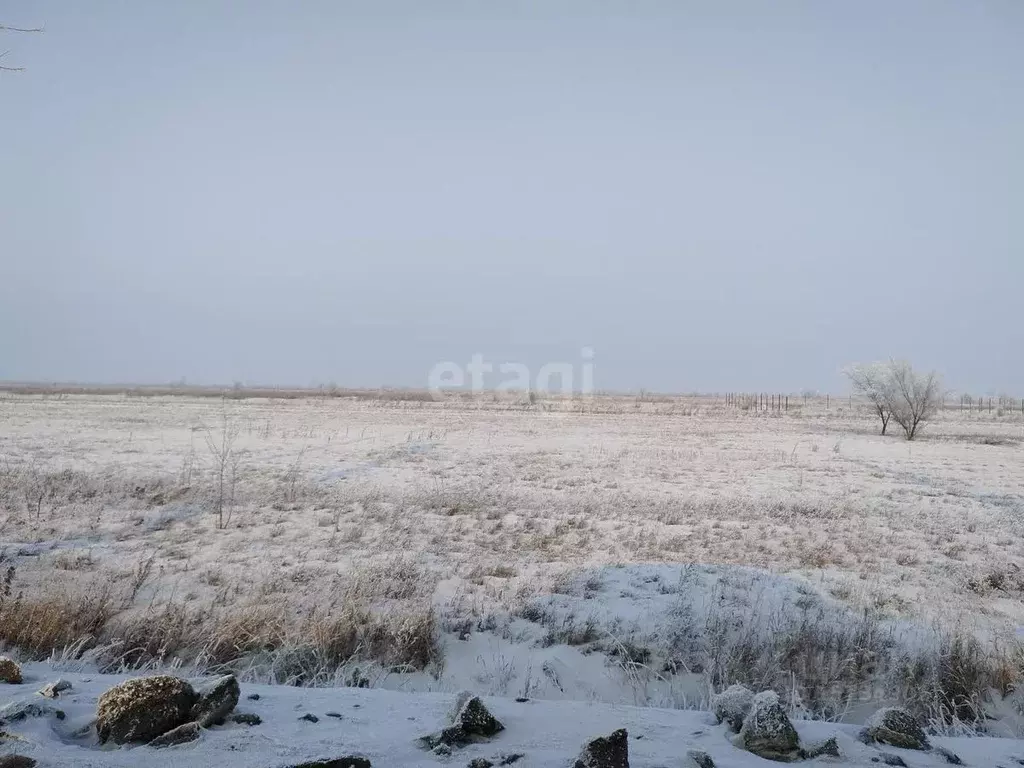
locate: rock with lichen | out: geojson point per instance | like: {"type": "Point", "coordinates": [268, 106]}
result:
{"type": "Point", "coordinates": [142, 709]}
{"type": "Point", "coordinates": [10, 672]}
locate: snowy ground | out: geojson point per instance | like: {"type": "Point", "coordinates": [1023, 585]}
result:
{"type": "Point", "coordinates": [485, 506]}
{"type": "Point", "coordinates": [384, 725]}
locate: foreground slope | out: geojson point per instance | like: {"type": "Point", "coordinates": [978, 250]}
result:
{"type": "Point", "coordinates": [384, 726]}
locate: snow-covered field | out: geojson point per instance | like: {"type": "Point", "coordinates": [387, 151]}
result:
{"type": "Point", "coordinates": [505, 523]}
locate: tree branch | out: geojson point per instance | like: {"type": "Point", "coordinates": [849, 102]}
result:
{"type": "Point", "coordinates": [9, 69]}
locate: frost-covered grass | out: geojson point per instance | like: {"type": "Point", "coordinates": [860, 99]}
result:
{"type": "Point", "coordinates": [361, 538]}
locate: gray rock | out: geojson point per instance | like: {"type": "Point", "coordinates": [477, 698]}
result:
{"type": "Point", "coordinates": [731, 705]}
{"type": "Point", "coordinates": [139, 710]}
{"type": "Point", "coordinates": [471, 722]}
{"type": "Point", "coordinates": [10, 672]}
{"type": "Point", "coordinates": [54, 689]}
{"type": "Point", "coordinates": [888, 758]}
{"type": "Point", "coordinates": [338, 762]}
{"type": "Point", "coordinates": [699, 759]}
{"type": "Point", "coordinates": [951, 757]}
{"type": "Point", "coordinates": [606, 752]}
{"type": "Point", "coordinates": [442, 750]}
{"type": "Point", "coordinates": [896, 727]}
{"type": "Point", "coordinates": [216, 701]}
{"type": "Point", "coordinates": [829, 747]}
{"type": "Point", "coordinates": [7, 736]}
{"type": "Point", "coordinates": [246, 718]}
{"type": "Point", "coordinates": [767, 731]}
{"type": "Point", "coordinates": [17, 761]}
{"type": "Point", "coordinates": [22, 709]}
{"type": "Point", "coordinates": [448, 737]}
{"type": "Point", "coordinates": [180, 735]}
{"type": "Point", "coordinates": [309, 717]}
{"type": "Point", "coordinates": [483, 762]}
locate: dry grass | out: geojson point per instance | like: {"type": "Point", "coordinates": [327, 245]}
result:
{"type": "Point", "coordinates": [380, 617]}
{"type": "Point", "coordinates": [54, 618]}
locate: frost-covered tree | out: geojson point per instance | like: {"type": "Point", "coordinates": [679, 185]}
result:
{"type": "Point", "coordinates": [916, 397]}
{"type": "Point", "coordinates": [873, 381]}
{"type": "Point", "coordinates": [897, 392]}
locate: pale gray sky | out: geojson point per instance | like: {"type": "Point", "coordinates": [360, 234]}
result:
{"type": "Point", "coordinates": [713, 195]}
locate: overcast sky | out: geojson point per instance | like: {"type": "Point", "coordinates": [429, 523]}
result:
{"type": "Point", "coordinates": [711, 195]}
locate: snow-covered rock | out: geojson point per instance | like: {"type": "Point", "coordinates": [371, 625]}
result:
{"type": "Point", "coordinates": [767, 731]}
{"type": "Point", "coordinates": [216, 701]}
{"type": "Point", "coordinates": [380, 727]}
{"type": "Point", "coordinates": [696, 758]}
{"type": "Point", "coordinates": [897, 727]}
{"type": "Point", "coordinates": [470, 721]}
{"type": "Point", "coordinates": [54, 689]}
{"type": "Point", "coordinates": [21, 709]}
{"type": "Point", "coordinates": [180, 735]}
{"type": "Point", "coordinates": [606, 752]}
{"type": "Point", "coordinates": [950, 756]}
{"type": "Point", "coordinates": [829, 747]}
{"type": "Point", "coordinates": [732, 704]}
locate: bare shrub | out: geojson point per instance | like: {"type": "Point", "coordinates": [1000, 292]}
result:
{"type": "Point", "coordinates": [225, 468]}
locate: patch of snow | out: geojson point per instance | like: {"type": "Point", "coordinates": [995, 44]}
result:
{"type": "Point", "coordinates": [384, 726]}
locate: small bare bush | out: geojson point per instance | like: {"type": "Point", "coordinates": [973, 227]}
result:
{"type": "Point", "coordinates": [226, 462]}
